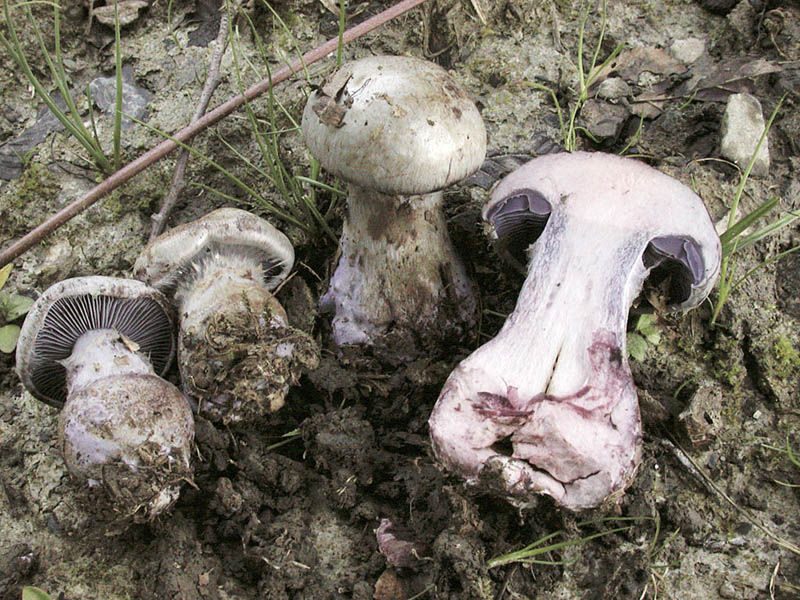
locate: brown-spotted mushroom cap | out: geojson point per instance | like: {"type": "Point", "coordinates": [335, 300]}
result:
{"type": "Point", "coordinates": [71, 308]}
{"type": "Point", "coordinates": [548, 406]}
{"type": "Point", "coordinates": [227, 231]}
{"type": "Point", "coordinates": [395, 124]}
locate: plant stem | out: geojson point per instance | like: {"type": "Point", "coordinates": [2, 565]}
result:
{"type": "Point", "coordinates": [212, 81]}
{"type": "Point", "coordinates": [118, 99]}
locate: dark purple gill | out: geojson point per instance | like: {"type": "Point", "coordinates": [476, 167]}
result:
{"type": "Point", "coordinates": [141, 320]}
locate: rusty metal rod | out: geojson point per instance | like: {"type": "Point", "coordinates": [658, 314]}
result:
{"type": "Point", "coordinates": [151, 156]}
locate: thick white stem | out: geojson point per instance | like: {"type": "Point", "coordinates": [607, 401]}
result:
{"type": "Point", "coordinates": [237, 354]}
{"type": "Point", "coordinates": [223, 283]}
{"type": "Point", "coordinates": [398, 275]}
{"type": "Point", "coordinates": [555, 380]}
{"type": "Point", "coordinates": [101, 353]}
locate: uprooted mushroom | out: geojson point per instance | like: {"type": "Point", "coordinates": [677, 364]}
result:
{"type": "Point", "coordinates": [96, 348]}
{"type": "Point", "coordinates": [399, 130]}
{"type": "Point", "coordinates": [237, 352]}
{"type": "Point", "coordinates": [549, 405]}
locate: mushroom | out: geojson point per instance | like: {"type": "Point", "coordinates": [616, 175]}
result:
{"type": "Point", "coordinates": [237, 354]}
{"type": "Point", "coordinates": [549, 406]}
{"type": "Point", "coordinates": [399, 130]}
{"type": "Point", "coordinates": [97, 346]}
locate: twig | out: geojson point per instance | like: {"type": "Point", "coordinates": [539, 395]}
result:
{"type": "Point", "coordinates": [683, 457]}
{"type": "Point", "coordinates": [154, 154]}
{"type": "Point", "coordinates": [212, 81]}
{"type": "Point", "coordinates": [772, 580]}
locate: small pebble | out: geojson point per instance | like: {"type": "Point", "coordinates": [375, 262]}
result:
{"type": "Point", "coordinates": [602, 119]}
{"type": "Point", "coordinates": [726, 590]}
{"type": "Point", "coordinates": [614, 88]}
{"type": "Point", "coordinates": [687, 51]}
{"type": "Point", "coordinates": [742, 126]}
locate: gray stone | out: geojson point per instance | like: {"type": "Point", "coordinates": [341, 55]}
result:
{"type": "Point", "coordinates": [134, 98]}
{"type": "Point", "coordinates": [742, 126]}
{"type": "Point", "coordinates": [687, 50]}
{"type": "Point", "coordinates": [614, 88]}
{"type": "Point", "coordinates": [603, 120]}
{"type": "Point", "coordinates": [16, 151]}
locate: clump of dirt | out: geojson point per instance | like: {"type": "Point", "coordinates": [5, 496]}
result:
{"type": "Point", "coordinates": [239, 365]}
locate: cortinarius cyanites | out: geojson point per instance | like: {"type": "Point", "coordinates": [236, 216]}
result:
{"type": "Point", "coordinates": [399, 130]}
{"type": "Point", "coordinates": [549, 405]}
{"type": "Point", "coordinates": [237, 353]}
{"type": "Point", "coordinates": [97, 346]}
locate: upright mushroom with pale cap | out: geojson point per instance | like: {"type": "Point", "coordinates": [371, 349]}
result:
{"type": "Point", "coordinates": [97, 347]}
{"type": "Point", "coordinates": [399, 130]}
{"type": "Point", "coordinates": [549, 406]}
{"type": "Point", "coordinates": [237, 354]}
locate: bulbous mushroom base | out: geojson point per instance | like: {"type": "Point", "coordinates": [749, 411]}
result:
{"type": "Point", "coordinates": [129, 439]}
{"type": "Point", "coordinates": [399, 286]}
{"type": "Point", "coordinates": [580, 448]}
{"type": "Point", "coordinates": [238, 357]}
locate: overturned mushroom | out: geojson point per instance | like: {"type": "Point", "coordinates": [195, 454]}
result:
{"type": "Point", "coordinates": [398, 130]}
{"type": "Point", "coordinates": [96, 347]}
{"type": "Point", "coordinates": [549, 406]}
{"type": "Point", "coordinates": [237, 353]}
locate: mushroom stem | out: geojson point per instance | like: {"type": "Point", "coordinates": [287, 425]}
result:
{"type": "Point", "coordinates": [549, 405]}
{"type": "Point", "coordinates": [575, 394]}
{"type": "Point", "coordinates": [224, 283]}
{"type": "Point", "coordinates": [562, 306]}
{"type": "Point", "coordinates": [102, 353]}
{"type": "Point", "coordinates": [122, 425]}
{"type": "Point", "coordinates": [237, 353]}
{"type": "Point", "coordinates": [399, 283]}
{"type": "Point", "coordinates": [132, 434]}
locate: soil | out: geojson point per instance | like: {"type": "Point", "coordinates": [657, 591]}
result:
{"type": "Point", "coordinates": [288, 507]}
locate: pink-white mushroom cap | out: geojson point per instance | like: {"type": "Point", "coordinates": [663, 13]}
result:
{"type": "Point", "coordinates": [555, 381]}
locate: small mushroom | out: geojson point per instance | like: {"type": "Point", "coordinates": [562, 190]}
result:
{"type": "Point", "coordinates": [237, 354]}
{"type": "Point", "coordinates": [549, 405]}
{"type": "Point", "coordinates": [97, 346]}
{"type": "Point", "coordinates": [399, 130]}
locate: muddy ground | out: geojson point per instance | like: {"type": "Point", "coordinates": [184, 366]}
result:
{"type": "Point", "coordinates": [712, 514]}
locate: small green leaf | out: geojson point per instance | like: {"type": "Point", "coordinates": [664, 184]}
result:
{"type": "Point", "coordinates": [646, 326]}
{"type": "Point", "coordinates": [637, 346]}
{"type": "Point", "coordinates": [653, 336]}
{"type": "Point", "coordinates": [645, 321]}
{"type": "Point", "coordinates": [8, 338]}
{"type": "Point", "coordinates": [17, 306]}
{"type": "Point", "coordinates": [33, 593]}
{"type": "Point", "coordinates": [4, 273]}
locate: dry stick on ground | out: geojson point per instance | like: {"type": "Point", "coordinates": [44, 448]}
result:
{"type": "Point", "coordinates": [178, 182]}
{"type": "Point", "coordinates": [185, 134]}
{"type": "Point", "coordinates": [709, 484]}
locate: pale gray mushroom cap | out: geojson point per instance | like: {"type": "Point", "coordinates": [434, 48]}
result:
{"type": "Point", "coordinates": [395, 124]}
{"type": "Point", "coordinates": [640, 210]}
{"type": "Point", "coordinates": [70, 308]}
{"type": "Point", "coordinates": [178, 253]}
